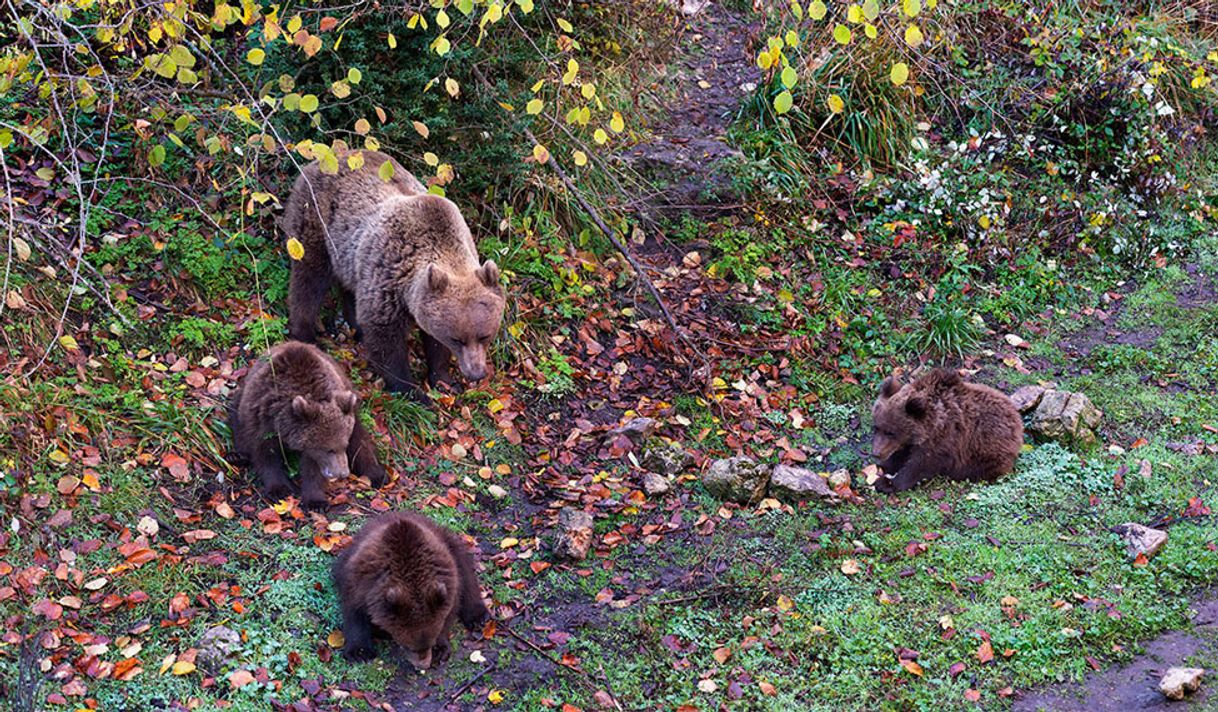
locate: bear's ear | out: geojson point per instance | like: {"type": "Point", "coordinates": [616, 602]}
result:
{"type": "Point", "coordinates": [436, 593]}
{"type": "Point", "coordinates": [889, 387]}
{"type": "Point", "coordinates": [303, 408]}
{"type": "Point", "coordinates": [947, 377]}
{"type": "Point", "coordinates": [347, 402]}
{"type": "Point", "coordinates": [916, 407]}
{"type": "Point", "coordinates": [488, 273]}
{"type": "Point", "coordinates": [437, 278]}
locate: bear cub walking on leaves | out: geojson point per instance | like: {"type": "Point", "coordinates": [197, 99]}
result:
{"type": "Point", "coordinates": [940, 425]}
{"type": "Point", "coordinates": [297, 398]}
{"type": "Point", "coordinates": [402, 257]}
{"type": "Point", "coordinates": [408, 577]}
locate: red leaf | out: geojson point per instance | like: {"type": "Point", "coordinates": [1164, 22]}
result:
{"type": "Point", "coordinates": [48, 609]}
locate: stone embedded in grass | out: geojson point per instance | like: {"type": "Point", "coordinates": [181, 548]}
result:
{"type": "Point", "coordinates": [1066, 417]}
{"type": "Point", "coordinates": [1178, 681]}
{"type": "Point", "coordinates": [1141, 539]}
{"type": "Point", "coordinates": [655, 484]}
{"type": "Point", "coordinates": [218, 647]}
{"type": "Point", "coordinates": [574, 536]}
{"type": "Point", "coordinates": [839, 478]}
{"type": "Point", "coordinates": [799, 483]}
{"type": "Point", "coordinates": [667, 459]}
{"type": "Point", "coordinates": [737, 479]}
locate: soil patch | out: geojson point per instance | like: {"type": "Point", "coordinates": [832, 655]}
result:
{"type": "Point", "coordinates": [1136, 686]}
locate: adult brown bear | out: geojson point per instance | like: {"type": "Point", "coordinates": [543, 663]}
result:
{"type": "Point", "coordinates": [403, 257]}
{"type": "Point", "coordinates": [410, 578]}
{"type": "Point", "coordinates": [297, 398]}
{"type": "Point", "coordinates": [940, 425]}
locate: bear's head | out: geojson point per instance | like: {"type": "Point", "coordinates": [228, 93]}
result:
{"type": "Point", "coordinates": [463, 312]}
{"type": "Point", "coordinates": [414, 613]}
{"type": "Point", "coordinates": [321, 429]}
{"type": "Point", "coordinates": [898, 418]}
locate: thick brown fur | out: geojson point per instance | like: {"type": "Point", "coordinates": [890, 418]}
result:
{"type": "Point", "coordinates": [297, 398]}
{"type": "Point", "coordinates": [402, 257]}
{"type": "Point", "coordinates": [410, 578]}
{"type": "Point", "coordinates": [941, 425]}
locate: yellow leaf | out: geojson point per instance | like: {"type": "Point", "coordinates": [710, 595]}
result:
{"type": "Point", "coordinates": [386, 171]}
{"type": "Point", "coordinates": [913, 36]}
{"type": "Point", "coordinates": [295, 249]}
{"type": "Point", "coordinates": [431, 159]}
{"type": "Point", "coordinates": [68, 342]}
{"type": "Point", "coordinates": [817, 10]}
{"type": "Point", "coordinates": [600, 136]}
{"type": "Point", "coordinates": [850, 567]}
{"type": "Point", "coordinates": [336, 639]}
{"type": "Point", "coordinates": [912, 7]}
{"type": "Point", "coordinates": [393, 41]}
{"type": "Point", "coordinates": [362, 127]}
{"type": "Point", "coordinates": [255, 56]}
{"type": "Point", "coordinates": [534, 106]}
{"type": "Point", "coordinates": [541, 154]}
{"type": "Point", "coordinates": [308, 103]}
{"type": "Point", "coordinates": [785, 603]}
{"type": "Point", "coordinates": [899, 74]}
{"type": "Point", "coordinates": [783, 102]}
{"type": "Point", "coordinates": [495, 696]}
{"type": "Point", "coordinates": [617, 124]}
{"type": "Point", "coordinates": [355, 161]}
{"type": "Point", "coordinates": [836, 105]}
{"type": "Point", "coordinates": [871, 10]}
{"type": "Point", "coordinates": [841, 34]}
{"type": "Point", "coordinates": [588, 90]}
{"type": "Point", "coordinates": [508, 542]}
{"type": "Point", "coordinates": [854, 14]}
{"type": "Point", "coordinates": [452, 87]}
{"type": "Point", "coordinates": [580, 158]}
{"type": "Point", "coordinates": [984, 220]}
{"type": "Point", "coordinates": [182, 667]}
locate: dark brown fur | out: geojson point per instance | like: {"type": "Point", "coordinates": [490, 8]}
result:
{"type": "Point", "coordinates": [402, 257]}
{"type": "Point", "coordinates": [408, 577]}
{"type": "Point", "coordinates": [940, 425]}
{"type": "Point", "coordinates": [297, 398]}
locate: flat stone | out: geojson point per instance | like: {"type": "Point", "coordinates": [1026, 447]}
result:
{"type": "Point", "coordinates": [218, 646]}
{"type": "Point", "coordinates": [798, 483]}
{"type": "Point", "coordinates": [837, 478]}
{"type": "Point", "coordinates": [1027, 398]}
{"type": "Point", "coordinates": [636, 430]}
{"type": "Point", "coordinates": [655, 484]}
{"type": "Point", "coordinates": [1140, 539]}
{"type": "Point", "coordinates": [574, 536]}
{"type": "Point", "coordinates": [1179, 681]}
{"type": "Point", "coordinates": [667, 459]}
{"type": "Point", "coordinates": [736, 479]}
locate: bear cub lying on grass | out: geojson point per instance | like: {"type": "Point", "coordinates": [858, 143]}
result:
{"type": "Point", "coordinates": [940, 425]}
{"type": "Point", "coordinates": [406, 576]}
{"type": "Point", "coordinates": [402, 257]}
{"type": "Point", "coordinates": [297, 398]}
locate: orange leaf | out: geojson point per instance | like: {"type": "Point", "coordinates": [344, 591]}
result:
{"type": "Point", "coordinates": [912, 666]}
{"type": "Point", "coordinates": [986, 652]}
{"type": "Point", "coordinates": [767, 689]}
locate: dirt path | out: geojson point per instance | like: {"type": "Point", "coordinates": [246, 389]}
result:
{"type": "Point", "coordinates": [687, 148]}
{"type": "Point", "coordinates": [1136, 686]}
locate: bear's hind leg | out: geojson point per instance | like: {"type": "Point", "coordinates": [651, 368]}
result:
{"type": "Point", "coordinates": [307, 288]}
{"type": "Point", "coordinates": [348, 301]}
{"type": "Point", "coordinates": [361, 453]}
{"type": "Point", "coordinates": [439, 361]}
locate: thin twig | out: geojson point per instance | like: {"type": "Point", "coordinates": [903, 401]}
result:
{"type": "Point", "coordinates": [583, 675]}
{"type": "Point", "coordinates": [465, 688]}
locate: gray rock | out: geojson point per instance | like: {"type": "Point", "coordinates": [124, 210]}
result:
{"type": "Point", "coordinates": [799, 483]}
{"type": "Point", "coordinates": [667, 459]}
{"type": "Point", "coordinates": [1066, 417]}
{"type": "Point", "coordinates": [1178, 681]}
{"type": "Point", "coordinates": [636, 430]}
{"type": "Point", "coordinates": [655, 484]}
{"type": "Point", "coordinates": [218, 647]}
{"type": "Point", "coordinates": [574, 536]}
{"type": "Point", "coordinates": [737, 479]}
{"type": "Point", "coordinates": [1141, 539]}
{"type": "Point", "coordinates": [1027, 398]}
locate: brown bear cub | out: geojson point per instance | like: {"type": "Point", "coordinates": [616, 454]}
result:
{"type": "Point", "coordinates": [405, 576]}
{"type": "Point", "coordinates": [940, 425]}
{"type": "Point", "coordinates": [297, 398]}
{"type": "Point", "coordinates": [402, 257]}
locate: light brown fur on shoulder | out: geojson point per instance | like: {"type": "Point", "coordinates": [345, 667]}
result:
{"type": "Point", "coordinates": [408, 577]}
{"type": "Point", "coordinates": [297, 398]}
{"type": "Point", "coordinates": [405, 256]}
{"type": "Point", "coordinates": [942, 425]}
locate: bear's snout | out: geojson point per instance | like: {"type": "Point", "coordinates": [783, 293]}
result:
{"type": "Point", "coordinates": [422, 661]}
{"type": "Point", "coordinates": [333, 466]}
{"type": "Point", "coordinates": [472, 363]}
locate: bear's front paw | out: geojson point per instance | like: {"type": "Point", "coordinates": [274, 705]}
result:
{"type": "Point", "coordinates": [359, 653]}
{"type": "Point", "coordinates": [376, 475]}
{"type": "Point", "coordinates": [275, 491]}
{"type": "Point", "coordinates": [411, 391]}
{"type": "Point", "coordinates": [440, 652]}
{"type": "Point", "coordinates": [314, 502]}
